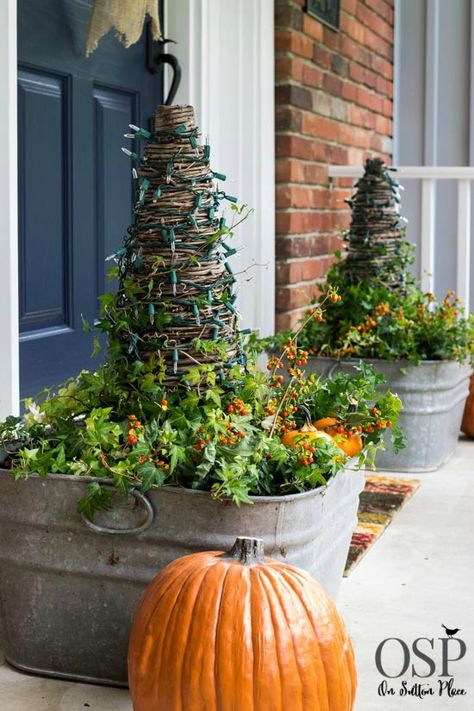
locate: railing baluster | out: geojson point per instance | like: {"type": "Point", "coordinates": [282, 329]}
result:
{"type": "Point", "coordinates": [427, 246]}
{"type": "Point", "coordinates": [463, 241]}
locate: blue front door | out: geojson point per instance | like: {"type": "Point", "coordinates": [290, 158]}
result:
{"type": "Point", "coordinates": [75, 190]}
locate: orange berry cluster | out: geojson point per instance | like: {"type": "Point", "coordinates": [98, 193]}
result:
{"type": "Point", "coordinates": [134, 429]}
{"type": "Point", "coordinates": [295, 355]}
{"type": "Point", "coordinates": [238, 407]}
{"type": "Point", "coordinates": [382, 309]}
{"type": "Point", "coordinates": [335, 298]}
{"type": "Point", "coordinates": [317, 313]}
{"type": "Point", "coordinates": [379, 423]}
{"type": "Point", "coordinates": [306, 457]}
{"type": "Point", "coordinates": [233, 436]}
{"type": "Point", "coordinates": [274, 362]}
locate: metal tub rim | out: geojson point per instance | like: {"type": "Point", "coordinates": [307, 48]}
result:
{"type": "Point", "coordinates": [169, 489]}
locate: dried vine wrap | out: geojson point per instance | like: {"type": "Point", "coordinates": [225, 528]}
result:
{"type": "Point", "coordinates": [376, 234]}
{"type": "Point", "coordinates": [175, 282]}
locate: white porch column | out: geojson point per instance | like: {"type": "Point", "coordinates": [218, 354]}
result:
{"type": "Point", "coordinates": [9, 353]}
{"type": "Point", "coordinates": [226, 52]}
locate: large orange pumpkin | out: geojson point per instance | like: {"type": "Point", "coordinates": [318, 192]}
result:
{"type": "Point", "coordinates": [239, 632]}
{"type": "Point", "coordinates": [467, 425]}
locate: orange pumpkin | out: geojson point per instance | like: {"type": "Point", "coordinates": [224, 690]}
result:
{"type": "Point", "coordinates": [350, 443]}
{"type": "Point", "coordinates": [306, 434]}
{"type": "Point", "coordinates": [325, 422]}
{"type": "Point", "coordinates": [239, 632]}
{"type": "Point", "coordinates": [467, 425]}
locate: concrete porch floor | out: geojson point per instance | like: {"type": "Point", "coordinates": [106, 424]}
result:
{"type": "Point", "coordinates": [417, 576]}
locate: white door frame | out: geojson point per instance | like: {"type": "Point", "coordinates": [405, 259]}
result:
{"type": "Point", "coordinates": [226, 51]}
{"type": "Point", "coordinates": [9, 345]}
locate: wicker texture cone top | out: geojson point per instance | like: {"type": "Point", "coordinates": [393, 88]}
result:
{"type": "Point", "coordinates": [174, 261]}
{"type": "Point", "coordinates": [377, 230]}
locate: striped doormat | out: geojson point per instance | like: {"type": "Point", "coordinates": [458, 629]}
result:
{"type": "Point", "coordinates": [381, 499]}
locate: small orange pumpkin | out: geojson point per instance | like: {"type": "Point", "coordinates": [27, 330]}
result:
{"type": "Point", "coordinates": [239, 632]}
{"type": "Point", "coordinates": [467, 425]}
{"type": "Point", "coordinates": [307, 433]}
{"type": "Point", "coordinates": [350, 442]}
{"type": "Point", "coordinates": [325, 422]}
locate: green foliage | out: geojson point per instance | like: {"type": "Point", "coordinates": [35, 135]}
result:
{"type": "Point", "coordinates": [119, 424]}
{"type": "Point", "coordinates": [373, 321]}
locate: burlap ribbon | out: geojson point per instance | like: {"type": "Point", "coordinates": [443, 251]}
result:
{"type": "Point", "coordinates": [126, 16]}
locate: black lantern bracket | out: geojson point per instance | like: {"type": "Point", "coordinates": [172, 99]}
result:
{"type": "Point", "coordinates": [157, 58]}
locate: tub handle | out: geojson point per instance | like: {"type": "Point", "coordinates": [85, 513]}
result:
{"type": "Point", "coordinates": [150, 515]}
{"type": "Point", "coordinates": [333, 369]}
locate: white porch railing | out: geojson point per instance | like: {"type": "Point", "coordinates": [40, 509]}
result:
{"type": "Point", "coordinates": [428, 176]}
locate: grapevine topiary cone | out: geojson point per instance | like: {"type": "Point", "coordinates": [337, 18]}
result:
{"type": "Point", "coordinates": [377, 230]}
{"type": "Point", "coordinates": [176, 286]}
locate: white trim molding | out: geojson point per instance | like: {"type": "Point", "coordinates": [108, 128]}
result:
{"type": "Point", "coordinates": [226, 51]}
{"type": "Point", "coordinates": [9, 349]}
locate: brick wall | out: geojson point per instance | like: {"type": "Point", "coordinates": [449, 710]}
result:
{"type": "Point", "coordinates": [333, 106]}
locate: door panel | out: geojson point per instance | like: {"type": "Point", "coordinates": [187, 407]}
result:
{"type": "Point", "coordinates": [113, 195]}
{"type": "Point", "coordinates": [43, 237]}
{"type": "Point", "coordinates": [75, 188]}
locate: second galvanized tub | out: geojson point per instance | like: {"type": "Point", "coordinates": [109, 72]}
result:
{"type": "Point", "coordinates": [433, 394]}
{"type": "Point", "coordinates": [68, 592]}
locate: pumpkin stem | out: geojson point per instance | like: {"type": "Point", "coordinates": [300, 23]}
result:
{"type": "Point", "coordinates": [248, 551]}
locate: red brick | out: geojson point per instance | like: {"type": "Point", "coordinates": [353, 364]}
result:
{"type": "Point", "coordinates": [288, 321]}
{"type": "Point", "coordinates": [373, 21]}
{"type": "Point", "coordinates": [337, 198]}
{"type": "Point", "coordinates": [377, 44]}
{"type": "Point", "coordinates": [297, 222]}
{"type": "Point", "coordinates": [370, 100]}
{"type": "Point", "coordinates": [383, 125]}
{"type": "Point", "coordinates": [289, 272]}
{"type": "Point", "coordinates": [381, 66]}
{"type": "Point", "coordinates": [287, 118]}
{"type": "Point", "coordinates": [289, 171]}
{"type": "Point", "coordinates": [293, 246]}
{"type": "Point", "coordinates": [288, 68]}
{"type": "Point", "coordinates": [287, 15]}
{"type": "Point", "coordinates": [385, 10]}
{"type": "Point", "coordinates": [296, 147]}
{"type": "Point", "coordinates": [332, 84]}
{"type": "Point", "coordinates": [301, 197]}
{"type": "Point", "coordinates": [294, 95]}
{"type": "Point", "coordinates": [387, 108]}
{"type": "Point", "coordinates": [352, 28]}
{"type": "Point", "coordinates": [339, 65]}
{"type": "Point", "coordinates": [355, 51]}
{"type": "Point", "coordinates": [315, 174]}
{"type": "Point", "coordinates": [349, 91]}
{"type": "Point", "coordinates": [362, 117]}
{"type": "Point", "coordinates": [333, 106]}
{"type": "Point", "coordinates": [331, 38]}
{"type": "Point", "coordinates": [349, 6]}
{"type": "Point", "coordinates": [294, 297]}
{"type": "Point", "coordinates": [312, 76]}
{"type": "Point", "coordinates": [312, 27]}
{"type": "Point", "coordinates": [321, 127]}
{"type": "Point", "coordinates": [290, 41]}
{"type": "Point", "coordinates": [322, 57]}
{"type": "Point", "coordinates": [337, 155]}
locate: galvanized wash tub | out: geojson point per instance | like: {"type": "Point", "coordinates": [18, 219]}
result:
{"type": "Point", "coordinates": [68, 592]}
{"type": "Point", "coordinates": [433, 394]}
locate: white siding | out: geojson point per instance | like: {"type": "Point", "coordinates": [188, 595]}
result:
{"type": "Point", "coordinates": [227, 54]}
{"type": "Point", "coordinates": [434, 120]}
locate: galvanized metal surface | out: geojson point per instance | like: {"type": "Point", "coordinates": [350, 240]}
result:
{"type": "Point", "coordinates": [68, 593]}
{"type": "Point", "coordinates": [433, 395]}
